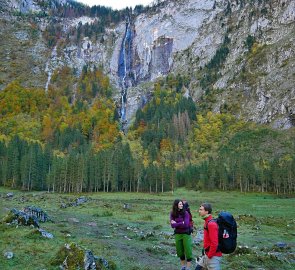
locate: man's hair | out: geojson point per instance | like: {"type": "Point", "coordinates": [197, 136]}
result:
{"type": "Point", "coordinates": [207, 207]}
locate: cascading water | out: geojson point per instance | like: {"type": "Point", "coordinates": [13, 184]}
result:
{"type": "Point", "coordinates": [47, 67]}
{"type": "Point", "coordinates": [124, 68]}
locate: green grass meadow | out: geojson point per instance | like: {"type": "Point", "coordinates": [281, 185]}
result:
{"type": "Point", "coordinates": [140, 237]}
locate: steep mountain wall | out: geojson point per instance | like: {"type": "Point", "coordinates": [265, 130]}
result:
{"type": "Point", "coordinates": [254, 79]}
{"type": "Point", "coordinates": [256, 83]}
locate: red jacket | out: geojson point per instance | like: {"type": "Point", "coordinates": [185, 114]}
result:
{"type": "Point", "coordinates": [211, 238]}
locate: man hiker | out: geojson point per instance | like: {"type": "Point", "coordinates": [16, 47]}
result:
{"type": "Point", "coordinates": [211, 255]}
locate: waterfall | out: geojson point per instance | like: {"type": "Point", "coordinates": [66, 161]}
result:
{"type": "Point", "coordinates": [47, 69]}
{"type": "Point", "coordinates": [125, 68]}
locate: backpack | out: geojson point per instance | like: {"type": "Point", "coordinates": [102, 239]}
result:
{"type": "Point", "coordinates": [191, 222]}
{"type": "Point", "coordinates": [227, 232]}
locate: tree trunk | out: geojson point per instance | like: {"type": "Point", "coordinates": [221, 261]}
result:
{"type": "Point", "coordinates": [162, 180]}
{"type": "Point", "coordinates": [138, 181]}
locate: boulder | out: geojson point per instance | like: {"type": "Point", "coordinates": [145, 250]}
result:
{"type": "Point", "coordinates": [127, 206]}
{"type": "Point", "coordinates": [72, 256]}
{"type": "Point", "coordinates": [76, 202]}
{"type": "Point", "coordinates": [281, 245]}
{"type": "Point", "coordinates": [8, 254]}
{"type": "Point", "coordinates": [37, 212]}
{"type": "Point", "coordinates": [29, 216]}
{"type": "Point", "coordinates": [45, 234]}
{"type": "Point", "coordinates": [9, 195]}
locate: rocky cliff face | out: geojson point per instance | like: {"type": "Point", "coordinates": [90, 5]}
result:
{"type": "Point", "coordinates": [255, 79]}
{"type": "Point", "coordinates": [29, 6]}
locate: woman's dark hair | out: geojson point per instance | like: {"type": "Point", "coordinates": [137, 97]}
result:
{"type": "Point", "coordinates": [207, 207]}
{"type": "Point", "coordinates": [175, 211]}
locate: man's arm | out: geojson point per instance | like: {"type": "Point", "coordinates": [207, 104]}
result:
{"type": "Point", "coordinates": [213, 236]}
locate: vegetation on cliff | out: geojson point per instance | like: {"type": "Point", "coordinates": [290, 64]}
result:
{"type": "Point", "coordinates": [72, 142]}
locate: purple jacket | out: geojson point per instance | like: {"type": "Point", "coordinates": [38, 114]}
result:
{"type": "Point", "coordinates": [182, 223]}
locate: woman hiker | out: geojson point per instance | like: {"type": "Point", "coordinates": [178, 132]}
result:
{"type": "Point", "coordinates": [179, 220]}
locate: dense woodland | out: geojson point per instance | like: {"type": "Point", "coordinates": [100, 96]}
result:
{"type": "Point", "coordinates": [65, 142]}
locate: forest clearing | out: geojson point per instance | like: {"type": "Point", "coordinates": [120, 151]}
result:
{"type": "Point", "coordinates": [132, 230]}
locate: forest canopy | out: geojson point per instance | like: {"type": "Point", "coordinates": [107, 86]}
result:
{"type": "Point", "coordinates": [62, 142]}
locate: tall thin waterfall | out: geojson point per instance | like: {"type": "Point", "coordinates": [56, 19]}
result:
{"type": "Point", "coordinates": [124, 68]}
{"type": "Point", "coordinates": [47, 67]}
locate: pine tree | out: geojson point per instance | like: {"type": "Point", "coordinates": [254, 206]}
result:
{"type": "Point", "coordinates": [3, 162]}
{"type": "Point", "coordinates": [13, 162]}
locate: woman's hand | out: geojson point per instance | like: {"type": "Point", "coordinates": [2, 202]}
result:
{"type": "Point", "coordinates": [172, 221]}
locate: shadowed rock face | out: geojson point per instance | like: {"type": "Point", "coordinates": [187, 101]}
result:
{"type": "Point", "coordinates": [161, 56]}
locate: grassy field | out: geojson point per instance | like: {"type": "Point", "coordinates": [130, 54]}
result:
{"type": "Point", "coordinates": [140, 237]}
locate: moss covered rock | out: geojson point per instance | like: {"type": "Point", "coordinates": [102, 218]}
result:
{"type": "Point", "coordinates": [72, 256]}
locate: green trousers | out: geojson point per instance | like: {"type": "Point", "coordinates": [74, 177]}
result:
{"type": "Point", "coordinates": [183, 246]}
